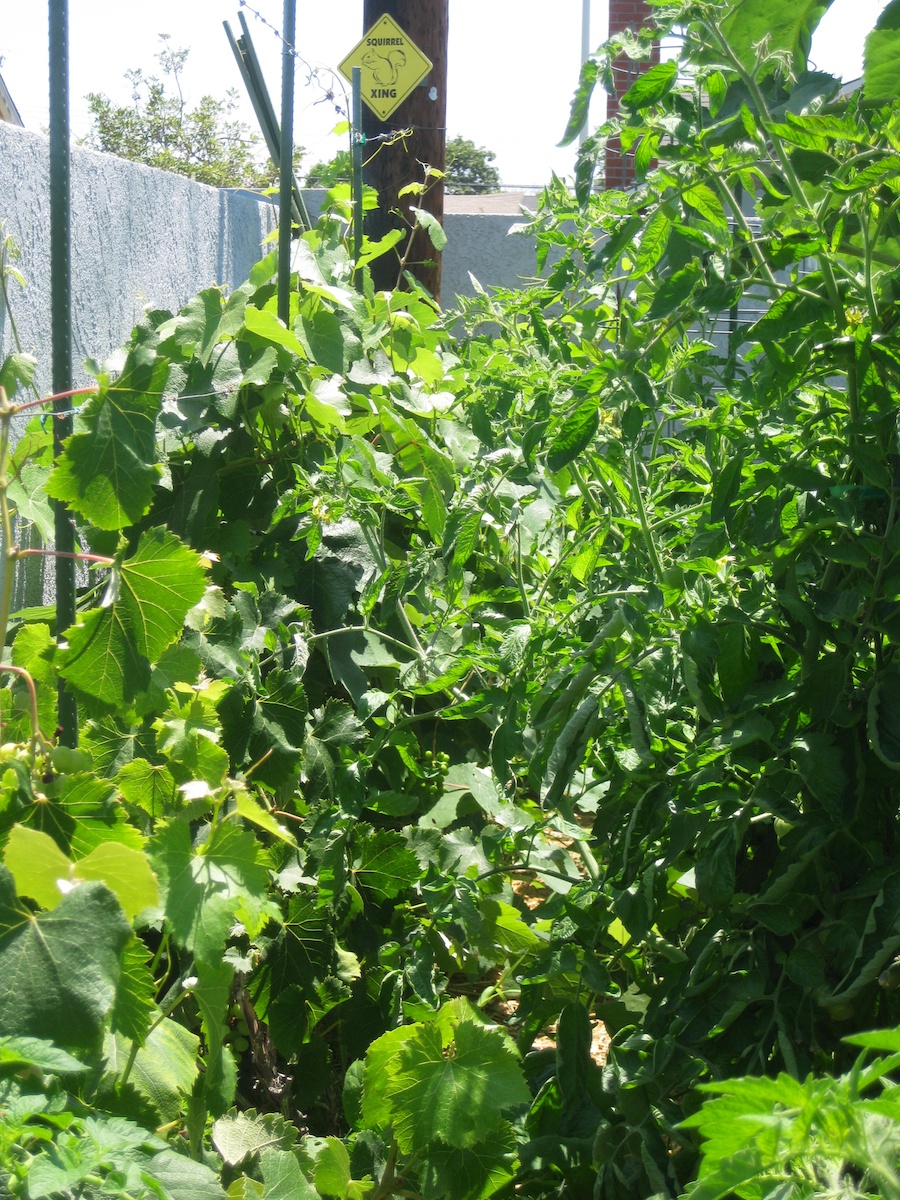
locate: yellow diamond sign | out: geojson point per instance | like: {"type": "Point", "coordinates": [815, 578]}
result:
{"type": "Point", "coordinates": [391, 66]}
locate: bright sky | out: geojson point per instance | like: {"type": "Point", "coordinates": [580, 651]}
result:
{"type": "Point", "coordinates": [513, 64]}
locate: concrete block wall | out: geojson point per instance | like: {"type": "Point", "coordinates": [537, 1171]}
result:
{"type": "Point", "coordinates": [481, 244]}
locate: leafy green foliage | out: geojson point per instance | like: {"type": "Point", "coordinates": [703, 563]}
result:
{"type": "Point", "coordinates": [440, 692]}
{"type": "Point", "coordinates": [51, 988]}
{"type": "Point", "coordinates": [205, 889]}
{"type": "Point", "coordinates": [158, 129]}
{"type": "Point", "coordinates": [468, 169]}
{"type": "Point", "coordinates": [109, 470]}
{"type": "Point", "coordinates": [812, 1136]}
{"type": "Point", "coordinates": [880, 62]}
{"type": "Point", "coordinates": [112, 648]}
{"type": "Point", "coordinates": [42, 872]}
{"type": "Point", "coordinates": [446, 1081]}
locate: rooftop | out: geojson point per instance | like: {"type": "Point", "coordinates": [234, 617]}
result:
{"type": "Point", "coordinates": [8, 110]}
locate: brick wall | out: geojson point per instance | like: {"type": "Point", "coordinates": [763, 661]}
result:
{"type": "Point", "coordinates": [624, 14]}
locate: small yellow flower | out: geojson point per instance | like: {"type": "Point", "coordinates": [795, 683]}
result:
{"type": "Point", "coordinates": [855, 317]}
{"type": "Point", "coordinates": [321, 511]}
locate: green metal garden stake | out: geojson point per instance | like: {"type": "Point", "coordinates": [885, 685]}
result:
{"type": "Point", "coordinates": [356, 145]}
{"type": "Point", "coordinates": [286, 172]}
{"type": "Point", "coordinates": [61, 327]}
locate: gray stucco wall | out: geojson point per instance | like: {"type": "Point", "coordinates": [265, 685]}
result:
{"type": "Point", "coordinates": [479, 243]}
{"type": "Point", "coordinates": [139, 237]}
{"type": "Point", "coordinates": [144, 237]}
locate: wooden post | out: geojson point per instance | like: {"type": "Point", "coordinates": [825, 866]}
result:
{"type": "Point", "coordinates": [389, 168]}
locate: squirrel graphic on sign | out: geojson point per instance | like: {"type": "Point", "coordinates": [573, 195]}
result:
{"type": "Point", "coordinates": [385, 68]}
{"type": "Point", "coordinates": [390, 66]}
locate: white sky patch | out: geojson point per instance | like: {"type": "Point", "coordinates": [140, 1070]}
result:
{"type": "Point", "coordinates": [513, 64]}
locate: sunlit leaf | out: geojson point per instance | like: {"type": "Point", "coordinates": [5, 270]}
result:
{"type": "Point", "coordinates": [238, 1135]}
{"type": "Point", "coordinates": [17, 1053]}
{"type": "Point", "coordinates": [453, 1092]}
{"type": "Point", "coordinates": [471, 1172]}
{"type": "Point", "coordinates": [432, 226]}
{"type": "Point", "coordinates": [881, 60]}
{"type": "Point", "coordinates": [385, 864]}
{"type": "Point", "coordinates": [212, 991]}
{"type": "Point", "coordinates": [112, 648]}
{"type": "Point", "coordinates": [59, 970]}
{"type": "Point", "coordinates": [108, 472]}
{"type": "Point", "coordinates": [747, 24]}
{"type": "Point", "coordinates": [39, 867]}
{"type": "Point", "coordinates": [204, 889]}
{"type": "Point", "coordinates": [265, 324]}
{"type": "Point", "coordinates": [133, 1009]}
{"type": "Point", "coordinates": [651, 85]}
{"type": "Point", "coordinates": [148, 786]}
{"type": "Point", "coordinates": [125, 872]}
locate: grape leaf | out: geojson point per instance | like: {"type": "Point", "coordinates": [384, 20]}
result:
{"type": "Point", "coordinates": [382, 1061]}
{"type": "Point", "coordinates": [16, 370]}
{"type": "Point", "coordinates": [268, 728]}
{"type": "Point", "coordinates": [27, 494]}
{"type": "Point", "coordinates": [37, 864]}
{"type": "Point", "coordinates": [34, 649]}
{"type": "Point", "coordinates": [133, 1009]}
{"type": "Point", "coordinates": [164, 1069]}
{"type": "Point", "coordinates": [188, 736]}
{"type": "Point", "coordinates": [196, 326]}
{"type": "Point", "coordinates": [90, 811]}
{"type": "Point", "coordinates": [473, 1172]}
{"type": "Point", "coordinates": [127, 874]}
{"type": "Point", "coordinates": [19, 1052]}
{"type": "Point", "coordinates": [148, 786]}
{"type": "Point", "coordinates": [237, 1135]}
{"type": "Point", "coordinates": [283, 1178]}
{"type": "Point", "coordinates": [111, 648]}
{"type": "Point", "coordinates": [453, 1093]}
{"type": "Point", "coordinates": [212, 992]}
{"type": "Point", "coordinates": [183, 1179]}
{"type": "Point", "coordinates": [332, 1174]}
{"type": "Point", "coordinates": [59, 970]}
{"type": "Point", "coordinates": [446, 1081]}
{"type": "Point", "coordinates": [204, 889]}
{"type": "Point", "coordinates": [385, 865]}
{"type": "Point", "coordinates": [265, 324]}
{"type": "Point", "coordinates": [107, 473]}
{"type": "Point", "coordinates": [339, 725]}
{"type": "Point", "coordinates": [251, 810]}
{"type": "Point", "coordinates": [83, 816]}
